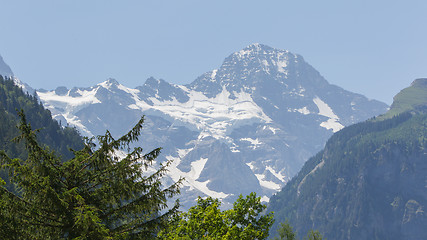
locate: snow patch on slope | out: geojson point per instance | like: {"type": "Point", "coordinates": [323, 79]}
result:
{"type": "Point", "coordinates": [282, 63]}
{"type": "Point", "coordinates": [213, 116]}
{"type": "Point", "coordinates": [266, 183]}
{"type": "Point", "coordinates": [265, 199]}
{"type": "Point", "coordinates": [276, 174]}
{"type": "Point", "coordinates": [213, 75]}
{"type": "Point", "coordinates": [324, 110]}
{"type": "Point", "coordinates": [70, 105]}
{"type": "Point", "coordinates": [303, 110]}
{"type": "Point", "coordinates": [192, 176]}
{"type": "Point", "coordinates": [68, 102]}
{"type": "Point", "coordinates": [255, 142]}
{"type": "Point", "coordinates": [197, 167]}
{"type": "Point", "coordinates": [131, 91]}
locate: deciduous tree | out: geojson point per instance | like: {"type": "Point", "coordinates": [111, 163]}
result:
{"type": "Point", "coordinates": [207, 221]}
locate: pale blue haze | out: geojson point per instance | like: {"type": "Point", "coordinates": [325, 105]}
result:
{"type": "Point", "coordinates": [371, 47]}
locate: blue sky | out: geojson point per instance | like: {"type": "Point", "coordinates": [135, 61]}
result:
{"type": "Point", "coordinates": [375, 48]}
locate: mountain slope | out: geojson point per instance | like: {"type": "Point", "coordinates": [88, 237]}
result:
{"type": "Point", "coordinates": [13, 99]}
{"type": "Point", "coordinates": [5, 70]}
{"type": "Point", "coordinates": [367, 183]}
{"type": "Point", "coordinates": [59, 139]}
{"type": "Point", "coordinates": [409, 98]}
{"type": "Point", "coordinates": [265, 110]}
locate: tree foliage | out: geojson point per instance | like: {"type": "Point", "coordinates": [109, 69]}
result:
{"type": "Point", "coordinates": [95, 195]}
{"type": "Point", "coordinates": [314, 235]}
{"type": "Point", "coordinates": [52, 134]}
{"type": "Point", "coordinates": [285, 232]}
{"type": "Point", "coordinates": [207, 221]}
{"type": "Point", "coordinates": [12, 98]}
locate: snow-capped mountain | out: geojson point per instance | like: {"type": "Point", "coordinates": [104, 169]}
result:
{"type": "Point", "coordinates": [247, 126]}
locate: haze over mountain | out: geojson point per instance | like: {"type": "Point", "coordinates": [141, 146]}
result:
{"type": "Point", "coordinates": [247, 126]}
{"type": "Point", "coordinates": [369, 182]}
{"type": "Point", "coordinates": [5, 70]}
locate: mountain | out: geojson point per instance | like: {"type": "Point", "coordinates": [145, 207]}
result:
{"type": "Point", "coordinates": [247, 126]}
{"type": "Point", "coordinates": [5, 70]}
{"type": "Point", "coordinates": [369, 182]}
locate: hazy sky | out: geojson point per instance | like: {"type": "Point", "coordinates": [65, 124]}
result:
{"type": "Point", "coordinates": [374, 47]}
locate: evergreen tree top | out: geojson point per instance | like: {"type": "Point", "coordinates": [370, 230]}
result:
{"type": "Point", "coordinates": [95, 195]}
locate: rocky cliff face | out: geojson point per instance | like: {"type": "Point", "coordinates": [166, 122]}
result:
{"type": "Point", "coordinates": [369, 182]}
{"type": "Point", "coordinates": [247, 126]}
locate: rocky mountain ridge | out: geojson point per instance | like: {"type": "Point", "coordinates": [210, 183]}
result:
{"type": "Point", "coordinates": [247, 126]}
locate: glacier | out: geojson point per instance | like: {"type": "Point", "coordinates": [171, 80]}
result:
{"type": "Point", "coordinates": [247, 126]}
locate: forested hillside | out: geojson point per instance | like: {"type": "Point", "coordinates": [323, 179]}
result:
{"type": "Point", "coordinates": [12, 100]}
{"type": "Point", "coordinates": [367, 183]}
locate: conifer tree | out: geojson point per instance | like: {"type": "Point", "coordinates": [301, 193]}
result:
{"type": "Point", "coordinates": [95, 195]}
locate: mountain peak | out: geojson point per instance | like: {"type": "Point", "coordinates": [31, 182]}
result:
{"type": "Point", "coordinates": [254, 45]}
{"type": "Point", "coordinates": [251, 67]}
{"type": "Point", "coordinates": [258, 49]}
{"type": "Point", "coordinates": [266, 58]}
{"type": "Point", "coordinates": [151, 81]}
{"type": "Point", "coordinates": [419, 82]}
{"type": "Point", "coordinates": [110, 82]}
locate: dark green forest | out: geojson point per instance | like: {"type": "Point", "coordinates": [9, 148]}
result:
{"type": "Point", "coordinates": [50, 133]}
{"type": "Point", "coordinates": [363, 182]}
{"type": "Point", "coordinates": [13, 100]}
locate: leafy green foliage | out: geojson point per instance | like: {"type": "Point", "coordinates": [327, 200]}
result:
{"type": "Point", "coordinates": [94, 195]}
{"type": "Point", "coordinates": [285, 232]}
{"type": "Point", "coordinates": [314, 235]}
{"type": "Point", "coordinates": [207, 221]}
